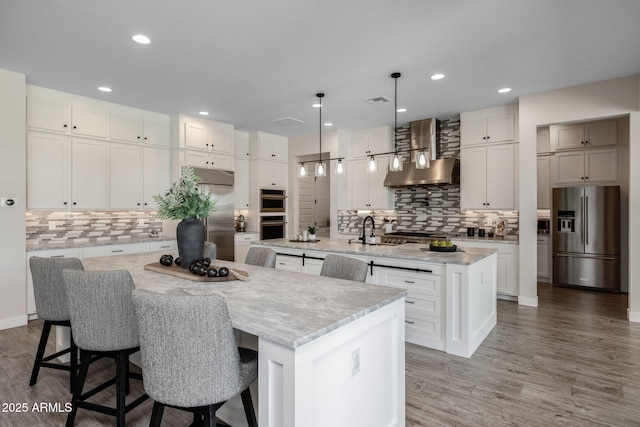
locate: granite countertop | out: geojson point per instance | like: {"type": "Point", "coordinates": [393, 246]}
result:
{"type": "Point", "coordinates": [406, 251]}
{"type": "Point", "coordinates": [281, 306]}
{"type": "Point", "coordinates": [95, 241]}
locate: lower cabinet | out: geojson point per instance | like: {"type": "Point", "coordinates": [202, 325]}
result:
{"type": "Point", "coordinates": [544, 273]}
{"type": "Point", "coordinates": [242, 243]}
{"type": "Point", "coordinates": [91, 252]}
{"type": "Point", "coordinates": [507, 280]}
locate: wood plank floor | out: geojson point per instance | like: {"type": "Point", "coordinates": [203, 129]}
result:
{"type": "Point", "coordinates": [573, 361]}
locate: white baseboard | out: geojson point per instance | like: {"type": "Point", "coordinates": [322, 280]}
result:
{"type": "Point", "coordinates": [13, 322]}
{"type": "Point", "coordinates": [633, 316]}
{"type": "Point", "coordinates": [528, 301]}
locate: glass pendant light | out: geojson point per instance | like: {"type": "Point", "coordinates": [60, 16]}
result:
{"type": "Point", "coordinates": [372, 166]}
{"type": "Point", "coordinates": [302, 173]}
{"type": "Point", "coordinates": [423, 160]}
{"type": "Point", "coordinates": [321, 167]}
{"type": "Point", "coordinates": [339, 167]}
{"type": "Point", "coordinates": [396, 160]}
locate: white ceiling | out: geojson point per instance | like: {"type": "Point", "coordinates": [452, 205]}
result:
{"type": "Point", "coordinates": [249, 62]}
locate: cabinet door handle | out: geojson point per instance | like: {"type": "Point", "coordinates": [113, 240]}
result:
{"type": "Point", "coordinates": [138, 204]}
{"type": "Point", "coordinates": [117, 250]}
{"type": "Point", "coordinates": [64, 126]}
{"type": "Point", "coordinates": [409, 322]}
{"type": "Point", "coordinates": [75, 127]}
{"type": "Point", "coordinates": [410, 302]}
{"type": "Point", "coordinates": [409, 281]}
{"type": "Point", "coordinates": [74, 203]}
{"type": "Point", "coordinates": [165, 246]}
{"type": "Point", "coordinates": [138, 137]}
{"type": "Point", "coordinates": [64, 203]}
{"type": "Point", "coordinates": [145, 138]}
{"type": "Point", "coordinates": [57, 256]}
{"type": "Point", "coordinates": [145, 204]}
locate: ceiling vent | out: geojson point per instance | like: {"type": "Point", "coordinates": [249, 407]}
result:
{"type": "Point", "coordinates": [378, 100]}
{"type": "Point", "coordinates": [287, 121]}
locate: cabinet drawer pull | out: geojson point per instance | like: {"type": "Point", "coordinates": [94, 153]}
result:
{"type": "Point", "coordinates": [117, 250]}
{"type": "Point", "coordinates": [281, 263]}
{"type": "Point", "coordinates": [165, 246]}
{"type": "Point", "coordinates": [410, 302]}
{"type": "Point", "coordinates": [409, 322]}
{"type": "Point", "coordinates": [409, 281]}
{"type": "Point", "coordinates": [57, 256]}
{"type": "Point", "coordinates": [247, 238]}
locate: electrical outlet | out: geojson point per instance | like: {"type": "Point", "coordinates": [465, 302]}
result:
{"type": "Point", "coordinates": [141, 222]}
{"type": "Point", "coordinates": [52, 225]}
{"type": "Point", "coordinates": [355, 361]}
{"type": "Point", "coordinates": [7, 202]}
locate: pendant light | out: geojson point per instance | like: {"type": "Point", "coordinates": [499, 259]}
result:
{"type": "Point", "coordinates": [321, 167]}
{"type": "Point", "coordinates": [302, 173]}
{"type": "Point", "coordinates": [423, 160]}
{"type": "Point", "coordinates": [339, 167]}
{"type": "Point", "coordinates": [395, 162]}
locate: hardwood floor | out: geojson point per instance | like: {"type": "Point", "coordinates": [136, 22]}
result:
{"type": "Point", "coordinates": [573, 361]}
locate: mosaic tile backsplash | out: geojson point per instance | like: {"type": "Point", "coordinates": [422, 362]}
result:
{"type": "Point", "coordinates": [432, 209]}
{"type": "Point", "coordinates": [68, 226]}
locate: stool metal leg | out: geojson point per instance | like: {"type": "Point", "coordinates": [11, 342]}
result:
{"type": "Point", "coordinates": [247, 403]}
{"type": "Point", "coordinates": [73, 362]}
{"type": "Point", "coordinates": [85, 359]}
{"type": "Point", "coordinates": [44, 337]}
{"type": "Point", "coordinates": [156, 414]}
{"type": "Point", "coordinates": [122, 383]}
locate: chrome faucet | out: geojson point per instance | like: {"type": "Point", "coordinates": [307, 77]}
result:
{"type": "Point", "coordinates": [364, 223]}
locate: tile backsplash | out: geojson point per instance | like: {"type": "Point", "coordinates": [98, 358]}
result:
{"type": "Point", "coordinates": [67, 226]}
{"type": "Point", "coordinates": [430, 209]}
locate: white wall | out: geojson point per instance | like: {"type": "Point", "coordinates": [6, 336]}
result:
{"type": "Point", "coordinates": [602, 99]}
{"type": "Point", "coordinates": [13, 172]}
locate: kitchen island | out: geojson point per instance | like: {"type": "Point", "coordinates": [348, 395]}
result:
{"type": "Point", "coordinates": [451, 301]}
{"type": "Point", "coordinates": [331, 351]}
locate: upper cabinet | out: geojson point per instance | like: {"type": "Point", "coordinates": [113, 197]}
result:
{"type": "Point", "coordinates": [367, 189]}
{"type": "Point", "coordinates": [132, 125]}
{"type": "Point", "coordinates": [487, 177]}
{"type": "Point", "coordinates": [265, 146]}
{"type": "Point", "coordinates": [203, 134]}
{"type": "Point", "coordinates": [543, 142]}
{"type": "Point", "coordinates": [598, 166]}
{"type": "Point", "coordinates": [584, 135]}
{"type": "Point", "coordinates": [489, 126]}
{"type": "Point", "coordinates": [369, 142]}
{"type": "Point", "coordinates": [50, 110]}
{"type": "Point", "coordinates": [543, 181]}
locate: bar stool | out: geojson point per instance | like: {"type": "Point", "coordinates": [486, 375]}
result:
{"type": "Point", "coordinates": [342, 267]}
{"type": "Point", "coordinates": [51, 305]}
{"type": "Point", "coordinates": [263, 257]}
{"type": "Point", "coordinates": [103, 324]}
{"type": "Point", "coordinates": [189, 355]}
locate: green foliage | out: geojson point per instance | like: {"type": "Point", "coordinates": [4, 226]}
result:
{"type": "Point", "coordinates": [184, 200]}
{"type": "Point", "coordinates": [312, 229]}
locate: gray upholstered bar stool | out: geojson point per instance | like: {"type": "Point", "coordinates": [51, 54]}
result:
{"type": "Point", "coordinates": [51, 306]}
{"type": "Point", "coordinates": [189, 355]}
{"type": "Point", "coordinates": [263, 257]}
{"type": "Point", "coordinates": [342, 267]}
{"type": "Point", "coordinates": [210, 250]}
{"type": "Point", "coordinates": [103, 324]}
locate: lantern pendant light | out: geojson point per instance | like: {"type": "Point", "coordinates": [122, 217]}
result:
{"type": "Point", "coordinates": [321, 167]}
{"type": "Point", "coordinates": [302, 173]}
{"type": "Point", "coordinates": [339, 167]}
{"type": "Point", "coordinates": [395, 162]}
{"type": "Point", "coordinates": [423, 160]}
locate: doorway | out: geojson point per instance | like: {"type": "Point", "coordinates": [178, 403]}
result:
{"type": "Point", "coordinates": [314, 200]}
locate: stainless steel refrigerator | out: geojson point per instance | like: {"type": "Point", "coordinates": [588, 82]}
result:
{"type": "Point", "coordinates": [221, 224]}
{"type": "Point", "coordinates": [586, 237]}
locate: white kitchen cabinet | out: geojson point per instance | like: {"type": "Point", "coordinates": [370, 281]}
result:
{"type": "Point", "coordinates": [312, 266]}
{"type": "Point", "coordinates": [241, 141]}
{"type": "Point", "coordinates": [584, 135]}
{"type": "Point", "coordinates": [544, 182]}
{"type": "Point", "coordinates": [543, 141]}
{"type": "Point", "coordinates": [507, 270]}
{"type": "Point", "coordinates": [266, 146]}
{"type": "Point", "coordinates": [369, 142]}
{"type": "Point", "coordinates": [110, 250]}
{"type": "Point", "coordinates": [89, 120]}
{"type": "Point", "coordinates": [54, 253]}
{"type": "Point", "coordinates": [367, 190]}
{"type": "Point", "coordinates": [242, 244]}
{"type": "Point", "coordinates": [271, 174]}
{"type": "Point", "coordinates": [136, 174]}
{"type": "Point", "coordinates": [489, 126]}
{"type": "Point", "coordinates": [544, 275]}
{"type": "Point", "coordinates": [89, 172]}
{"type": "Point", "coordinates": [487, 177]}
{"type": "Point", "coordinates": [204, 134]}
{"type": "Point", "coordinates": [131, 125]}
{"type": "Point", "coordinates": [208, 160]}
{"type": "Point", "coordinates": [288, 263]}
{"type": "Point", "coordinates": [48, 170]}
{"type": "Point", "coordinates": [163, 245]}
{"type": "Point", "coordinates": [596, 166]}
{"type": "Point", "coordinates": [241, 176]}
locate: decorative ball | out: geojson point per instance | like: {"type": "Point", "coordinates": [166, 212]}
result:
{"type": "Point", "coordinates": [206, 262]}
{"type": "Point", "coordinates": [212, 272]}
{"type": "Point", "coordinates": [177, 261]}
{"type": "Point", "coordinates": [223, 271]}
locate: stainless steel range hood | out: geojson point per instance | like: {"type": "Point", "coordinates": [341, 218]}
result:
{"type": "Point", "coordinates": [424, 136]}
{"type": "Point", "coordinates": [442, 171]}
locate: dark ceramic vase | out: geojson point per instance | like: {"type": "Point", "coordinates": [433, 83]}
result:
{"type": "Point", "coordinates": [190, 234]}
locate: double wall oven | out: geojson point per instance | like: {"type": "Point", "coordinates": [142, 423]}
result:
{"type": "Point", "coordinates": [272, 214]}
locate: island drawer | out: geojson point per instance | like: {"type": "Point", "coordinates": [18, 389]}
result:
{"type": "Point", "coordinates": [430, 307]}
{"type": "Point", "coordinates": [424, 284]}
{"type": "Point", "coordinates": [166, 245]}
{"type": "Point", "coordinates": [423, 331]}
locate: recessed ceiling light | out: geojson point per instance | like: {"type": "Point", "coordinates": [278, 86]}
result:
{"type": "Point", "coordinates": [104, 89]}
{"type": "Point", "coordinates": [402, 110]}
{"type": "Point", "coordinates": [437, 76]}
{"type": "Point", "coordinates": [328, 124]}
{"type": "Point", "coordinates": [141, 38]}
{"type": "Point", "coordinates": [203, 113]}
{"type": "Point", "coordinates": [504, 90]}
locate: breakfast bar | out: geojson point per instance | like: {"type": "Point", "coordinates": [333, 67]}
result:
{"type": "Point", "coordinates": [331, 351]}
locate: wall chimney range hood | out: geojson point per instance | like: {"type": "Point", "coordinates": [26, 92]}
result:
{"type": "Point", "coordinates": [441, 171]}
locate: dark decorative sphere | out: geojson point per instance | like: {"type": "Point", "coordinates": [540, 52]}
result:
{"type": "Point", "coordinates": [202, 270]}
{"type": "Point", "coordinates": [177, 261]}
{"type": "Point", "coordinates": [223, 271]}
{"type": "Point", "coordinates": [206, 262]}
{"type": "Point", "coordinates": [212, 272]}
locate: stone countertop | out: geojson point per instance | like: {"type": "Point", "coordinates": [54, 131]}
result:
{"type": "Point", "coordinates": [406, 251]}
{"type": "Point", "coordinates": [95, 241]}
{"type": "Point", "coordinates": [285, 307]}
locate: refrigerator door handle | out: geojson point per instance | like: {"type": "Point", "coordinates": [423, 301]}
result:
{"type": "Point", "coordinates": [586, 220]}
{"type": "Point", "coordinates": [582, 221]}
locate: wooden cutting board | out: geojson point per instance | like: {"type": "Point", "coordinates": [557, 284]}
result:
{"type": "Point", "coordinates": [184, 273]}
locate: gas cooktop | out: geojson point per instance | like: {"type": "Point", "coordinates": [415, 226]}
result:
{"type": "Point", "coordinates": [399, 237]}
{"type": "Point", "coordinates": [410, 233]}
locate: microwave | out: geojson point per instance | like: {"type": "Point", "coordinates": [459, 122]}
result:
{"type": "Point", "coordinates": [272, 200]}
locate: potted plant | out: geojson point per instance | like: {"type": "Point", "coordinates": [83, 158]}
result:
{"type": "Point", "coordinates": [190, 204]}
{"type": "Point", "coordinates": [312, 233]}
